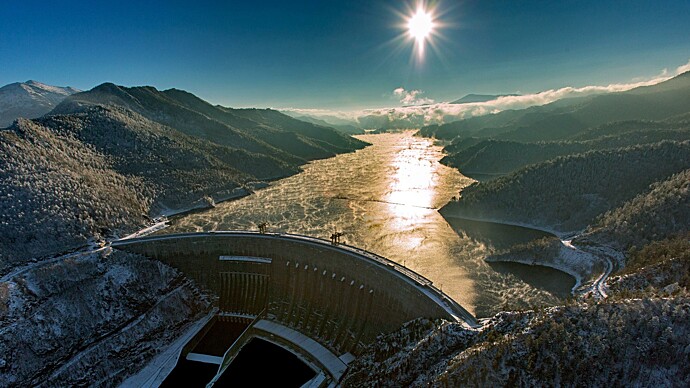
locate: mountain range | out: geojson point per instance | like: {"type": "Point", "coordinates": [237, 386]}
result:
{"type": "Point", "coordinates": [610, 167]}
{"type": "Point", "coordinates": [564, 118]}
{"type": "Point", "coordinates": [611, 175]}
{"type": "Point", "coordinates": [30, 99]}
{"type": "Point", "coordinates": [350, 128]}
{"type": "Point", "coordinates": [103, 161]}
{"type": "Point", "coordinates": [614, 169]}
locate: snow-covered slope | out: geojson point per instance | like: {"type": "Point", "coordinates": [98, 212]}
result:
{"type": "Point", "coordinates": [29, 99]}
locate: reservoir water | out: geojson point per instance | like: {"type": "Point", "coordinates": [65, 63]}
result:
{"type": "Point", "coordinates": [385, 198]}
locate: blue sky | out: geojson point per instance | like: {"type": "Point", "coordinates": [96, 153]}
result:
{"type": "Point", "coordinates": [338, 54]}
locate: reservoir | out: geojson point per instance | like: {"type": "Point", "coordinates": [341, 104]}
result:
{"type": "Point", "coordinates": [384, 199]}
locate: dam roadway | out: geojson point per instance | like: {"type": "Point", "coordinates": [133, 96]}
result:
{"type": "Point", "coordinates": [335, 295]}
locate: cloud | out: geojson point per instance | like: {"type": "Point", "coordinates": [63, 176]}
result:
{"type": "Point", "coordinates": [422, 111]}
{"type": "Point", "coordinates": [439, 113]}
{"type": "Point", "coordinates": [683, 69]}
{"type": "Point", "coordinates": [411, 97]}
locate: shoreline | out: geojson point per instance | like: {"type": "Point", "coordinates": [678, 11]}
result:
{"type": "Point", "coordinates": [574, 261]}
{"type": "Point", "coordinates": [555, 233]}
{"type": "Point", "coordinates": [202, 203]}
{"type": "Point", "coordinates": [533, 263]}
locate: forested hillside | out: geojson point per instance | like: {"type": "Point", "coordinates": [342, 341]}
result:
{"type": "Point", "coordinates": [565, 118]}
{"type": "Point", "coordinates": [106, 161]}
{"type": "Point", "coordinates": [639, 335]}
{"type": "Point", "coordinates": [627, 184]}
{"type": "Point", "coordinates": [476, 156]}
{"type": "Point", "coordinates": [263, 131]}
{"type": "Point", "coordinates": [347, 128]}
{"type": "Point", "coordinates": [631, 127]}
{"type": "Point", "coordinates": [568, 193]}
{"type": "Point", "coordinates": [659, 213]}
{"type": "Point", "coordinates": [56, 193]}
{"type": "Point", "coordinates": [179, 167]}
{"type": "Point", "coordinates": [623, 342]}
{"type": "Point", "coordinates": [659, 268]}
{"type": "Point", "coordinates": [580, 163]}
{"type": "Point", "coordinates": [92, 319]}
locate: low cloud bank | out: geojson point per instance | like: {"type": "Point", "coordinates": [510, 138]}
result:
{"type": "Point", "coordinates": [439, 113]}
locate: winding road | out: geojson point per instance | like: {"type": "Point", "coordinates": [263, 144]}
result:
{"type": "Point", "coordinates": [598, 288]}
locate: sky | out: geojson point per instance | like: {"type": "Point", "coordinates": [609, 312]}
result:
{"type": "Point", "coordinates": [340, 55]}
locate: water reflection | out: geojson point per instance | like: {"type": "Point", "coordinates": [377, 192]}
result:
{"type": "Point", "coordinates": [413, 182]}
{"type": "Point", "coordinates": [385, 199]}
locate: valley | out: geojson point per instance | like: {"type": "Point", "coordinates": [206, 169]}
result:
{"type": "Point", "coordinates": [558, 226]}
{"type": "Point", "coordinates": [391, 210]}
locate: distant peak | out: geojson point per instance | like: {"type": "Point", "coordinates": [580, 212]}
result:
{"type": "Point", "coordinates": [40, 85]}
{"type": "Point", "coordinates": [106, 85]}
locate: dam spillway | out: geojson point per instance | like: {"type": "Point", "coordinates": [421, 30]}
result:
{"type": "Point", "coordinates": [338, 296]}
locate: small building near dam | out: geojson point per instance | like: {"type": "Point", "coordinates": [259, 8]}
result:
{"type": "Point", "coordinates": [296, 298]}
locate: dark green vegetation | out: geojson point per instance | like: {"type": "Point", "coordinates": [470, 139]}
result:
{"type": "Point", "coordinates": [57, 192]}
{"type": "Point", "coordinates": [568, 193]}
{"type": "Point", "coordinates": [106, 160]}
{"type": "Point", "coordinates": [677, 247]}
{"type": "Point", "coordinates": [659, 212]}
{"type": "Point", "coordinates": [500, 157]}
{"type": "Point", "coordinates": [254, 130]}
{"type": "Point", "coordinates": [615, 165]}
{"type": "Point", "coordinates": [563, 119]}
{"type": "Point", "coordinates": [619, 343]}
{"type": "Point", "coordinates": [661, 268]}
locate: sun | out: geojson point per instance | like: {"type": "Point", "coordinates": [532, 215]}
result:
{"type": "Point", "coordinates": [420, 25]}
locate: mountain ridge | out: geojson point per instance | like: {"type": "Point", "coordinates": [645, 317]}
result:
{"type": "Point", "coordinates": [285, 138]}
{"type": "Point", "coordinates": [30, 99]}
{"type": "Point", "coordinates": [154, 152]}
{"type": "Point", "coordinates": [563, 118]}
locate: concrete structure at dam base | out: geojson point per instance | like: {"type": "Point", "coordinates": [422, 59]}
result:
{"type": "Point", "coordinates": [321, 301]}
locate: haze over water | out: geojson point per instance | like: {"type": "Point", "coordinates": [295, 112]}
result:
{"type": "Point", "coordinates": [385, 199]}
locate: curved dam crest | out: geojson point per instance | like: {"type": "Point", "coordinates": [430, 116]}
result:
{"type": "Point", "coordinates": [339, 296]}
{"type": "Point", "coordinates": [384, 198]}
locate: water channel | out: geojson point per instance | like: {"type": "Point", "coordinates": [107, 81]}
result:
{"type": "Point", "coordinates": [385, 199]}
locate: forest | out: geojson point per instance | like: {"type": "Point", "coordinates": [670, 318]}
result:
{"type": "Point", "coordinates": [613, 171]}
{"type": "Point", "coordinates": [639, 335]}
{"type": "Point", "coordinates": [105, 162]}
{"type": "Point", "coordinates": [568, 193]}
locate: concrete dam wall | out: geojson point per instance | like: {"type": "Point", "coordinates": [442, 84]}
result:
{"type": "Point", "coordinates": [339, 296]}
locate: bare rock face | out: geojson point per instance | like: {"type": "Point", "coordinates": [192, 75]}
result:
{"type": "Point", "coordinates": [91, 319]}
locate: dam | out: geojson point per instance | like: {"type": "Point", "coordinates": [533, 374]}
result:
{"type": "Point", "coordinates": [322, 301]}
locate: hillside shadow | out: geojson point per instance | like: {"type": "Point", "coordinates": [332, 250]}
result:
{"type": "Point", "coordinates": [497, 236]}
{"type": "Point", "coordinates": [541, 277]}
